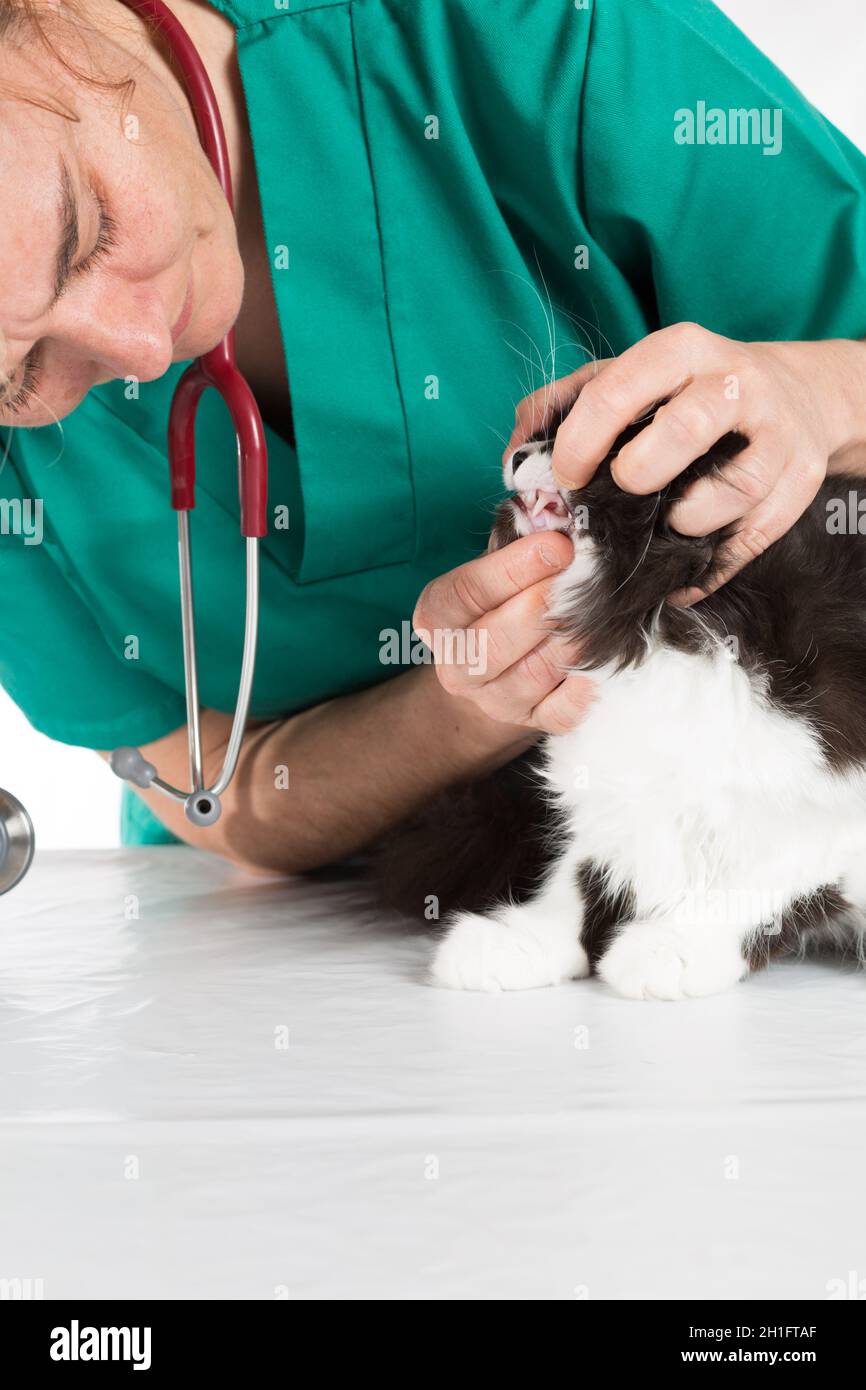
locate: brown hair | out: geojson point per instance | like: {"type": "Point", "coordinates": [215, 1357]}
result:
{"type": "Point", "coordinates": [19, 17]}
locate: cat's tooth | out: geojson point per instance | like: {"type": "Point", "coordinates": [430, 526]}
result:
{"type": "Point", "coordinates": [540, 504]}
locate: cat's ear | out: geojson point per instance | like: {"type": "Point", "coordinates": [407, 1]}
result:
{"type": "Point", "coordinates": [687, 561]}
{"type": "Point", "coordinates": [718, 563]}
{"type": "Point", "coordinates": [671, 562]}
{"type": "Point", "coordinates": [710, 465]}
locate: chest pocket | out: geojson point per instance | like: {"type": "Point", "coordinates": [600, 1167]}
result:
{"type": "Point", "coordinates": [321, 230]}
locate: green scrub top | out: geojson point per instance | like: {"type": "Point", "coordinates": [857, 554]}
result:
{"type": "Point", "coordinates": [434, 175]}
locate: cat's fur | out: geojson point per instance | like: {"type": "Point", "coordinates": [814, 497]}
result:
{"type": "Point", "coordinates": [710, 809]}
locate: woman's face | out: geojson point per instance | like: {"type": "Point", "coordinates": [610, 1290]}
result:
{"type": "Point", "coordinates": [118, 251]}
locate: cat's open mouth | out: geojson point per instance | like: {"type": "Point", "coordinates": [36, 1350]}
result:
{"type": "Point", "coordinates": [544, 509]}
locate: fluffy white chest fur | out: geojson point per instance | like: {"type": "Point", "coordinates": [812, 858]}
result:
{"type": "Point", "coordinates": [711, 811]}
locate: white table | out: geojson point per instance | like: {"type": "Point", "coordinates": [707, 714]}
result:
{"type": "Point", "coordinates": [158, 1140]}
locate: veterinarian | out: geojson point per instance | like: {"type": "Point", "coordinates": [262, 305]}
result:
{"type": "Point", "coordinates": [423, 192]}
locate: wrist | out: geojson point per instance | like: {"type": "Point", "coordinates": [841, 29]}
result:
{"type": "Point", "coordinates": [832, 374]}
{"type": "Point", "coordinates": [841, 378]}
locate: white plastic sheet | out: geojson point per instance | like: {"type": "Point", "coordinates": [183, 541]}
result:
{"type": "Point", "coordinates": [159, 1139]}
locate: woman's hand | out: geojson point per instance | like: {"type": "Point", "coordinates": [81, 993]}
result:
{"type": "Point", "coordinates": [357, 765]}
{"type": "Point", "coordinates": [485, 623]}
{"type": "Point", "coordinates": [802, 407]}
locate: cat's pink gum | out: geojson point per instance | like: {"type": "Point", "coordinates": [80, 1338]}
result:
{"type": "Point", "coordinates": [544, 509]}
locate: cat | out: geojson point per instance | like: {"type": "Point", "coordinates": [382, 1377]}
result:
{"type": "Point", "coordinates": [709, 811]}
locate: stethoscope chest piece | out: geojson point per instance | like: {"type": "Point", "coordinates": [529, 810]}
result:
{"type": "Point", "coordinates": [17, 841]}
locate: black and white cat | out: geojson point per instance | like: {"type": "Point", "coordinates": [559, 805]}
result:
{"type": "Point", "coordinates": [710, 809]}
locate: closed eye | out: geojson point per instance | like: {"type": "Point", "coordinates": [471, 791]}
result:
{"type": "Point", "coordinates": [106, 239]}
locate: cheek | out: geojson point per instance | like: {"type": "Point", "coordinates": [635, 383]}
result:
{"type": "Point", "coordinates": [585, 565]}
{"type": "Point", "coordinates": [505, 527]}
{"type": "Point", "coordinates": [160, 216]}
{"type": "Point", "coordinates": [584, 568]}
{"type": "Point", "coordinates": [181, 228]}
{"type": "Point", "coordinates": [218, 280]}
{"type": "Point", "coordinates": [157, 181]}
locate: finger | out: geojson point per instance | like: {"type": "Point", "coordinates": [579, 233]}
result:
{"type": "Point", "coordinates": [650, 370]}
{"type": "Point", "coordinates": [682, 430]}
{"type": "Point", "coordinates": [761, 527]}
{"type": "Point", "coordinates": [498, 640]}
{"type": "Point", "coordinates": [519, 690]}
{"type": "Point", "coordinates": [535, 409]}
{"type": "Point", "coordinates": [463, 595]}
{"type": "Point", "coordinates": [565, 706]}
{"type": "Point", "coordinates": [742, 485]}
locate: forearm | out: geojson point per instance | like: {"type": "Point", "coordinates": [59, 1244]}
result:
{"type": "Point", "coordinates": [324, 783]}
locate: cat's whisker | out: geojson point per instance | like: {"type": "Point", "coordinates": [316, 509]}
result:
{"type": "Point", "coordinates": [528, 361]}
{"type": "Point", "coordinates": [550, 319]}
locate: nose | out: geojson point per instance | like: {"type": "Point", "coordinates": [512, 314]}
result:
{"type": "Point", "coordinates": [141, 350]}
{"type": "Point", "coordinates": [516, 458]}
{"type": "Point", "coordinates": [124, 336]}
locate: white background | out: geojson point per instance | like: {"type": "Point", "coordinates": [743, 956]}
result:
{"type": "Point", "coordinates": [70, 793]}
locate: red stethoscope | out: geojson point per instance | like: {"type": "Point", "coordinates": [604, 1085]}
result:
{"type": "Point", "coordinates": [218, 369]}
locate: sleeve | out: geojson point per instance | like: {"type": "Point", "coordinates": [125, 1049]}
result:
{"type": "Point", "coordinates": [711, 184]}
{"type": "Point", "coordinates": [54, 661]}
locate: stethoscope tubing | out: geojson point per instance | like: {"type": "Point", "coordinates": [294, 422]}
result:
{"type": "Point", "coordinates": [218, 369]}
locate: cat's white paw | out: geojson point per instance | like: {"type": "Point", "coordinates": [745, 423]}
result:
{"type": "Point", "coordinates": [649, 961]}
{"type": "Point", "coordinates": [483, 953]}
